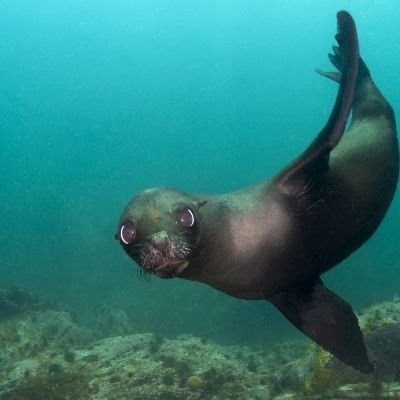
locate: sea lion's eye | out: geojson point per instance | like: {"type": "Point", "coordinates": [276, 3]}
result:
{"type": "Point", "coordinates": [127, 233]}
{"type": "Point", "coordinates": [186, 217]}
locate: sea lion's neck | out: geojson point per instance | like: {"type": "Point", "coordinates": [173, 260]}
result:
{"type": "Point", "coordinates": [241, 228]}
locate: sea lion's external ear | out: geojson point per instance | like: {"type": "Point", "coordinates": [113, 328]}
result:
{"type": "Point", "coordinates": [327, 319]}
{"type": "Point", "coordinates": [201, 203]}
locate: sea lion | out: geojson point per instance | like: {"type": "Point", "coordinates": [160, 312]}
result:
{"type": "Point", "coordinates": [273, 240]}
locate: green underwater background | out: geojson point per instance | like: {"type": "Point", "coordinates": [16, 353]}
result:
{"type": "Point", "coordinates": [100, 100]}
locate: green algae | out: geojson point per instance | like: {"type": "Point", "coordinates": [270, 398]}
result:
{"type": "Point", "coordinates": [322, 378]}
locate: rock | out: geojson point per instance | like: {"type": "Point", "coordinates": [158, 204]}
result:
{"type": "Point", "coordinates": [45, 355]}
{"type": "Point", "coordinates": [112, 321]}
{"type": "Point", "coordinates": [14, 301]}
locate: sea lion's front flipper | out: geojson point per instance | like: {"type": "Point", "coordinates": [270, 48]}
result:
{"type": "Point", "coordinates": [312, 165]}
{"type": "Point", "coordinates": [327, 319]}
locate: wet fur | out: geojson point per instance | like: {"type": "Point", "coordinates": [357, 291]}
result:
{"type": "Point", "coordinates": [273, 240]}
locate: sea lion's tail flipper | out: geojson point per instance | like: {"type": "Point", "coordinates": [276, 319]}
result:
{"type": "Point", "coordinates": [328, 320]}
{"type": "Point", "coordinates": [312, 165]}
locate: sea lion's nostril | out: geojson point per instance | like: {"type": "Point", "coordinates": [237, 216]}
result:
{"type": "Point", "coordinates": [161, 245]}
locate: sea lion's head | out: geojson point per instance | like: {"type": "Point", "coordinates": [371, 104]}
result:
{"type": "Point", "coordinates": [160, 229]}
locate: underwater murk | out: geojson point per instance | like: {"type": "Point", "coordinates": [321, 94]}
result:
{"type": "Point", "coordinates": [100, 101]}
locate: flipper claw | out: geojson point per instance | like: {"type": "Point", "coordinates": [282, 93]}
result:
{"type": "Point", "coordinates": [334, 75]}
{"type": "Point", "coordinates": [336, 50]}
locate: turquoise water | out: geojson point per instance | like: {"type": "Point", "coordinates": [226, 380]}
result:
{"type": "Point", "coordinates": [100, 100]}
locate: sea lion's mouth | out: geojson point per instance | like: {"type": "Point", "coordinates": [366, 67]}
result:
{"type": "Point", "coordinates": [170, 269]}
{"type": "Point", "coordinates": [165, 258]}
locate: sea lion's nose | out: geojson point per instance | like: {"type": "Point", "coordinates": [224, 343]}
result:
{"type": "Point", "coordinates": [160, 241]}
{"type": "Point", "coordinates": [161, 245]}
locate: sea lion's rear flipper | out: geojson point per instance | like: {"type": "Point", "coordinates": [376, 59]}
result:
{"type": "Point", "coordinates": [312, 165]}
{"type": "Point", "coordinates": [327, 319]}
